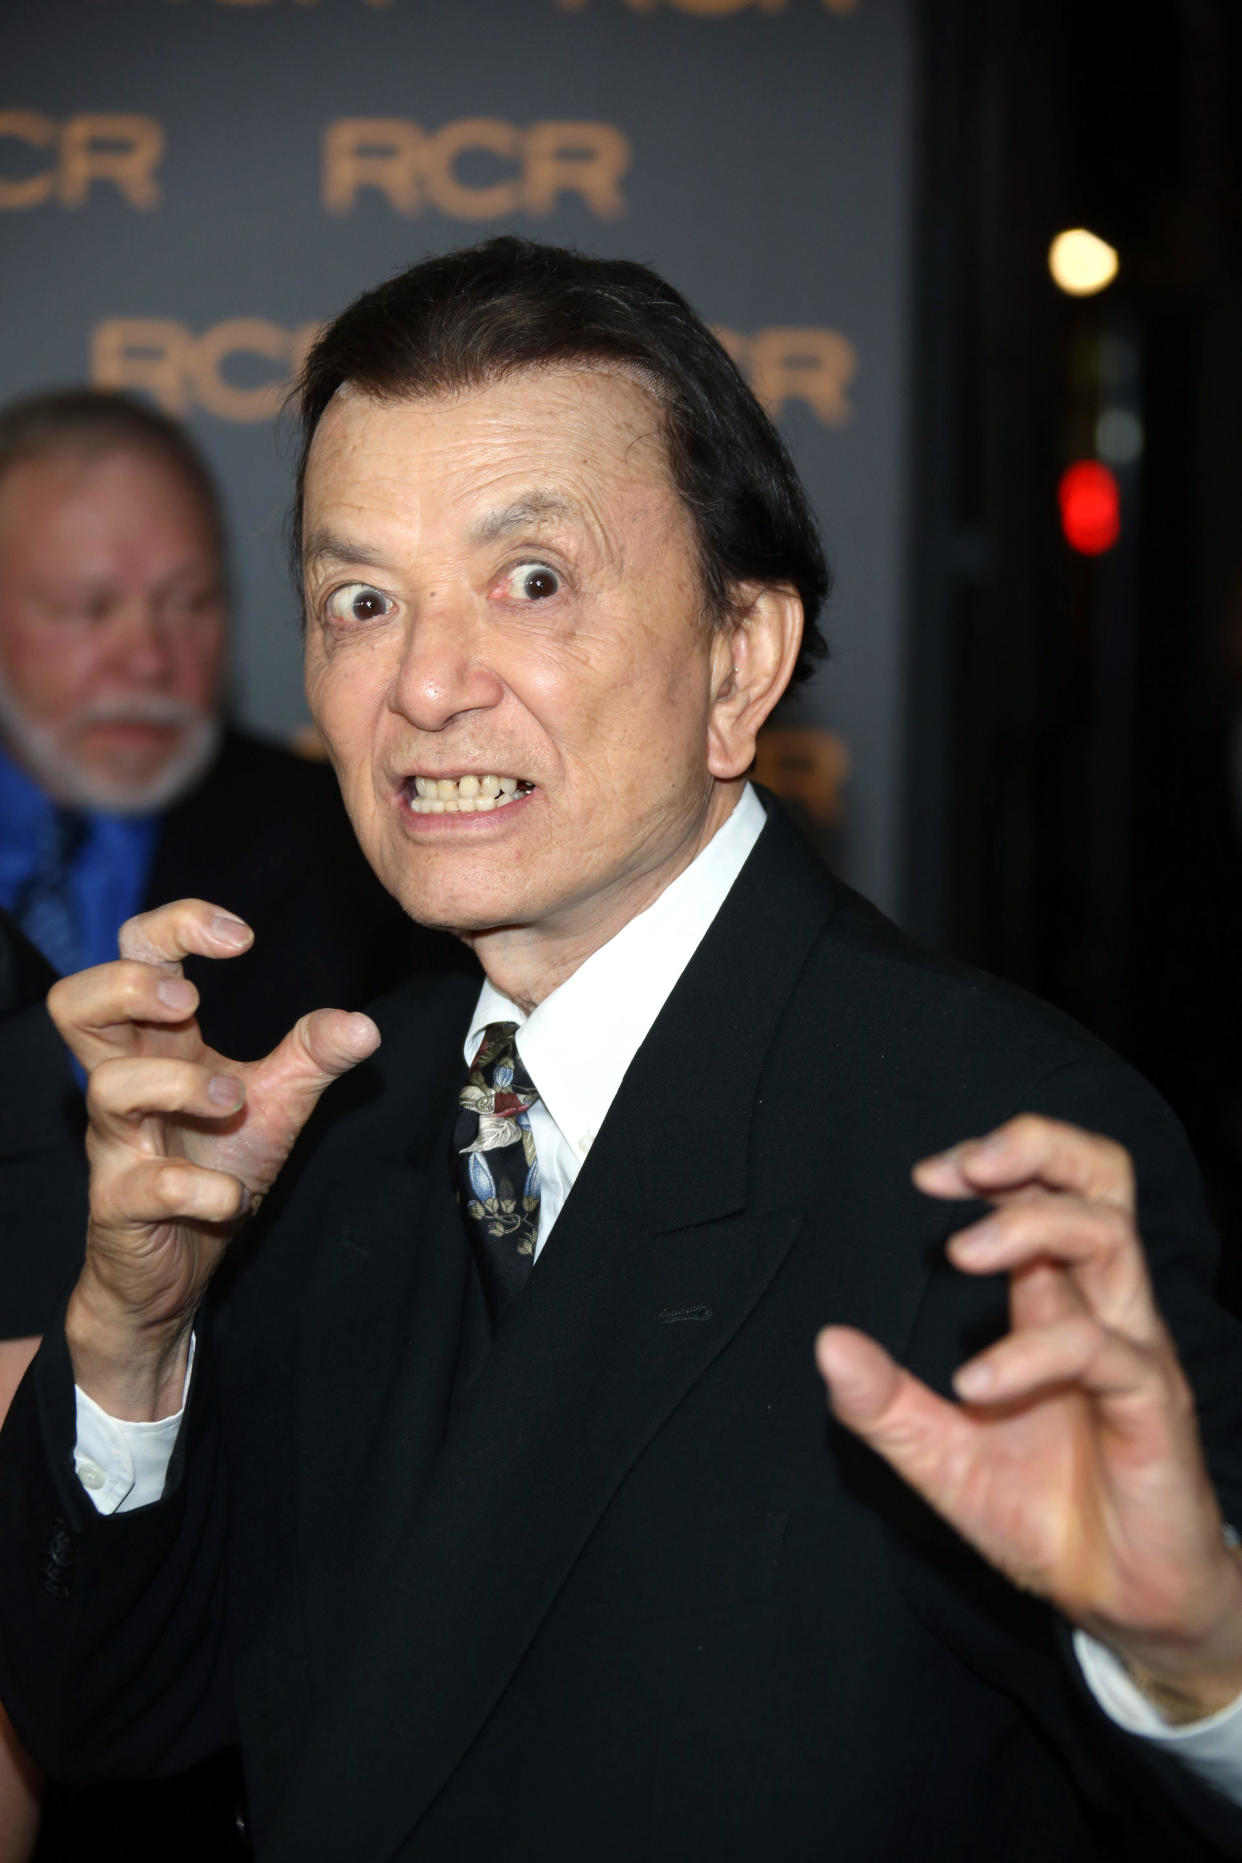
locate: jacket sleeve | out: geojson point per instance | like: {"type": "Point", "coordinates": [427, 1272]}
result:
{"type": "Point", "coordinates": [1002, 1634]}
{"type": "Point", "coordinates": [112, 1655]}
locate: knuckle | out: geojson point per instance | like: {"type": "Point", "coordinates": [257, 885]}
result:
{"type": "Point", "coordinates": [1028, 1133]}
{"type": "Point", "coordinates": [60, 1001]}
{"type": "Point", "coordinates": [107, 1204]}
{"type": "Point", "coordinates": [1180, 1396]}
{"type": "Point", "coordinates": [132, 980]}
{"type": "Point", "coordinates": [1120, 1167]}
{"type": "Point", "coordinates": [171, 1187]}
{"type": "Point", "coordinates": [103, 1086]}
{"type": "Point", "coordinates": [1085, 1337]}
{"type": "Point", "coordinates": [148, 935]}
{"type": "Point", "coordinates": [133, 940]}
{"type": "Point", "coordinates": [1119, 1230]}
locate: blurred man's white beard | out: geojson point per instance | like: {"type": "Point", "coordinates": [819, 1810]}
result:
{"type": "Point", "coordinates": [43, 752]}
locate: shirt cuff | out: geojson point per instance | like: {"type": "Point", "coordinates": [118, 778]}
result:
{"type": "Point", "coordinates": [1211, 1748]}
{"type": "Point", "coordinates": [123, 1465]}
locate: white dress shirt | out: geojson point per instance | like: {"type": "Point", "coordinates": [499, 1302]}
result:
{"type": "Point", "coordinates": [618, 993]}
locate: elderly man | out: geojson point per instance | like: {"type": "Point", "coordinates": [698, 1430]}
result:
{"type": "Point", "coordinates": [509, 1522]}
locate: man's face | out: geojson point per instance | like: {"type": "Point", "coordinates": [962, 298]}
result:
{"type": "Point", "coordinates": [112, 626]}
{"type": "Point", "coordinates": [502, 585]}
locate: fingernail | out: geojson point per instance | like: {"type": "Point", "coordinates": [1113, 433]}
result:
{"type": "Point", "coordinates": [230, 931]}
{"type": "Point", "coordinates": [177, 993]}
{"type": "Point", "coordinates": [225, 1092]}
{"type": "Point", "coordinates": [945, 1160]}
{"type": "Point", "coordinates": [973, 1380]}
{"type": "Point", "coordinates": [976, 1240]}
{"type": "Point", "coordinates": [989, 1145]}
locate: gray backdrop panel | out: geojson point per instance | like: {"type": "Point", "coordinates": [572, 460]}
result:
{"type": "Point", "coordinates": [767, 175]}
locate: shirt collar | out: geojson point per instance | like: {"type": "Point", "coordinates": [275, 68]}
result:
{"type": "Point", "coordinates": [616, 995]}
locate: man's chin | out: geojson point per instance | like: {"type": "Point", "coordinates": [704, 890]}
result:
{"type": "Point", "coordinates": [117, 790]}
{"type": "Point", "coordinates": [463, 915]}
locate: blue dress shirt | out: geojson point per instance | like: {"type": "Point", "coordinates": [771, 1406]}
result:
{"type": "Point", "coordinates": [109, 872]}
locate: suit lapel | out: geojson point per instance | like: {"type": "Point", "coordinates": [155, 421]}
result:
{"type": "Point", "coordinates": [382, 1264]}
{"type": "Point", "coordinates": [371, 1420]}
{"type": "Point", "coordinates": [584, 1370]}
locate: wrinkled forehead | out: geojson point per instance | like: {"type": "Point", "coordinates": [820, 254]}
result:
{"type": "Point", "coordinates": [596, 433]}
{"type": "Point", "coordinates": [646, 415]}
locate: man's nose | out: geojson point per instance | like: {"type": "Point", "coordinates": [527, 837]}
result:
{"type": "Point", "coordinates": [444, 669]}
{"type": "Point", "coordinates": [141, 641]}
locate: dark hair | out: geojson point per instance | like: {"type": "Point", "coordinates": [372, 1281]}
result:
{"type": "Point", "coordinates": [93, 422]}
{"type": "Point", "coordinates": [472, 316]}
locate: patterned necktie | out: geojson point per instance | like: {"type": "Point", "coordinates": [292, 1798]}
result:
{"type": "Point", "coordinates": [495, 1168]}
{"type": "Point", "coordinates": [45, 907]}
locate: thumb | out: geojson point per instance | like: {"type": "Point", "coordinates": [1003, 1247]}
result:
{"type": "Point", "coordinates": [862, 1379]}
{"type": "Point", "coordinates": [926, 1440]}
{"type": "Point", "coordinates": [318, 1049]}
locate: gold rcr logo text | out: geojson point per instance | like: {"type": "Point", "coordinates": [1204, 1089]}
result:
{"type": "Point", "coordinates": [183, 370]}
{"type": "Point", "coordinates": [414, 168]}
{"type": "Point", "coordinates": [411, 168]}
{"type": "Point", "coordinates": [121, 150]}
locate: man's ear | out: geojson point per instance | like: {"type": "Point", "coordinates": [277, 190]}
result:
{"type": "Point", "coordinates": [752, 663]}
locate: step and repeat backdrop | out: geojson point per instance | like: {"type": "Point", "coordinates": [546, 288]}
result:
{"type": "Point", "coordinates": [189, 187]}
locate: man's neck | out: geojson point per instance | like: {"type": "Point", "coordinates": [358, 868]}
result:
{"type": "Point", "coordinates": [527, 962]}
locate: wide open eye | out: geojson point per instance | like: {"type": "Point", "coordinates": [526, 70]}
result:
{"type": "Point", "coordinates": [531, 582]}
{"type": "Point", "coordinates": [357, 601]}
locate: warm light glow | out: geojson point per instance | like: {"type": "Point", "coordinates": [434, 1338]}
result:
{"type": "Point", "coordinates": [1080, 263]}
{"type": "Point", "coordinates": [1090, 501]}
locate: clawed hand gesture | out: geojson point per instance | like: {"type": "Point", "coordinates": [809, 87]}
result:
{"type": "Point", "coordinates": [1072, 1462]}
{"type": "Point", "coordinates": [183, 1144]}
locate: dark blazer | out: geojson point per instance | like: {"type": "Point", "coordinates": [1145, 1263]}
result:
{"type": "Point", "coordinates": [264, 834]}
{"type": "Point", "coordinates": [42, 1128]}
{"type": "Point", "coordinates": [621, 1590]}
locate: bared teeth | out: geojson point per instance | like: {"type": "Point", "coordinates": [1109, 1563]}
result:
{"type": "Point", "coordinates": [464, 795]}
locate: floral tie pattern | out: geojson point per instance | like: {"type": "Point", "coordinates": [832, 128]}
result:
{"type": "Point", "coordinates": [495, 1167]}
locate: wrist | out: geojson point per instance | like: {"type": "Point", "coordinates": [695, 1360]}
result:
{"type": "Point", "coordinates": [1188, 1679]}
{"type": "Point", "coordinates": [134, 1369]}
{"type": "Point", "coordinates": [1184, 1704]}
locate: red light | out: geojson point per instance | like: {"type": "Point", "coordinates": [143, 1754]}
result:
{"type": "Point", "coordinates": [1090, 500]}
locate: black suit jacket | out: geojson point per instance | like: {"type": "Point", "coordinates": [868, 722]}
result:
{"type": "Point", "coordinates": [264, 834]}
{"type": "Point", "coordinates": [624, 1591]}
{"type": "Point", "coordinates": [42, 1160]}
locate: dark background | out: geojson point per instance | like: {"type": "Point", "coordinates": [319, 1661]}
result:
{"type": "Point", "coordinates": [1075, 782]}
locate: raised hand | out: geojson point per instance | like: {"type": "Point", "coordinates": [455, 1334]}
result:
{"type": "Point", "coordinates": [1073, 1461]}
{"type": "Point", "coordinates": [183, 1144]}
